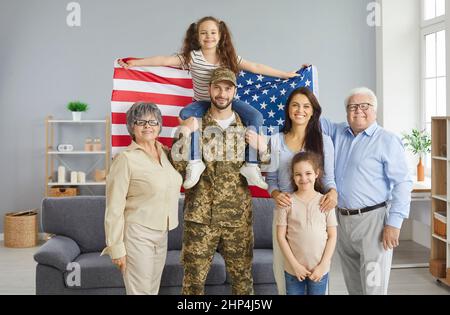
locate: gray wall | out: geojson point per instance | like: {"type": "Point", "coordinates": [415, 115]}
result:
{"type": "Point", "coordinates": [44, 63]}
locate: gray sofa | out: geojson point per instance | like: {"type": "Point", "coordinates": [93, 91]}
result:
{"type": "Point", "coordinates": [77, 223]}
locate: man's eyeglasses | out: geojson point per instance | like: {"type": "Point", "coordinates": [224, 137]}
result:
{"type": "Point", "coordinates": [362, 106]}
{"type": "Point", "coordinates": [142, 123]}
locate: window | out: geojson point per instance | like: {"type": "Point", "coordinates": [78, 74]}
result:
{"type": "Point", "coordinates": [433, 9]}
{"type": "Point", "coordinates": [434, 76]}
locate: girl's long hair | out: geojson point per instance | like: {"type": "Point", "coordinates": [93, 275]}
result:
{"type": "Point", "coordinates": [225, 50]}
{"type": "Point", "coordinates": [313, 138]}
{"type": "Point", "coordinates": [315, 160]}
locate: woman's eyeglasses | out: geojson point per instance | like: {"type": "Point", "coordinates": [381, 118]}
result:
{"type": "Point", "coordinates": [142, 123]}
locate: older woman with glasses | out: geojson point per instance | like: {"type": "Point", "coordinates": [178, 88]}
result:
{"type": "Point", "coordinates": [142, 191]}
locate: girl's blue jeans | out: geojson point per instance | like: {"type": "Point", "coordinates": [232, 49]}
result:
{"type": "Point", "coordinates": [250, 117]}
{"type": "Point", "coordinates": [305, 287]}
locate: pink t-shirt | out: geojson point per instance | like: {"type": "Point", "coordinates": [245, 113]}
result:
{"type": "Point", "coordinates": [306, 230]}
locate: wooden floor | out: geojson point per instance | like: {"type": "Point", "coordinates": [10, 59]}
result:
{"type": "Point", "coordinates": [17, 272]}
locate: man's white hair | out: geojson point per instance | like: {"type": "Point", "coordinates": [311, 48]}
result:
{"type": "Point", "coordinates": [363, 91]}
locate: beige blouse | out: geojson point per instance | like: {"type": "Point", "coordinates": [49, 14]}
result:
{"type": "Point", "coordinates": [306, 230]}
{"type": "Point", "coordinates": [139, 190]}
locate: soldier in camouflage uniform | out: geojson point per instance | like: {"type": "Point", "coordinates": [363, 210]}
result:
{"type": "Point", "coordinates": [218, 210]}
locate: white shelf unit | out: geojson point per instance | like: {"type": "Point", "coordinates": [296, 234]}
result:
{"type": "Point", "coordinates": [52, 155]}
{"type": "Point", "coordinates": [77, 153]}
{"type": "Point", "coordinates": [440, 190]}
{"type": "Point", "coordinates": [88, 183]}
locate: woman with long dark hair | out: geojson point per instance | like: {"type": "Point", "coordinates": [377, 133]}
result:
{"type": "Point", "coordinates": [301, 132]}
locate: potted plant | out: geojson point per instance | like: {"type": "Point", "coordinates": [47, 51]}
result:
{"type": "Point", "coordinates": [419, 143]}
{"type": "Point", "coordinates": [77, 108]}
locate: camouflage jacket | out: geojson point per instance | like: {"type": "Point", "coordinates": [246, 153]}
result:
{"type": "Point", "coordinates": [221, 197]}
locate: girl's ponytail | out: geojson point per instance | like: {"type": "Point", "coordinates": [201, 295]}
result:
{"type": "Point", "coordinates": [225, 48]}
{"type": "Point", "coordinates": [190, 43]}
{"type": "Point", "coordinates": [226, 51]}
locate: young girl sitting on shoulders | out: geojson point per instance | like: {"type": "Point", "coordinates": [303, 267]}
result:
{"type": "Point", "coordinates": [207, 46]}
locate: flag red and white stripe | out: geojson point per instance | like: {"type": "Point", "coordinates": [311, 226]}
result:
{"type": "Point", "coordinates": [169, 88]}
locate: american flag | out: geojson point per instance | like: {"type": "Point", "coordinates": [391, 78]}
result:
{"type": "Point", "coordinates": [269, 95]}
{"type": "Point", "coordinates": [171, 90]}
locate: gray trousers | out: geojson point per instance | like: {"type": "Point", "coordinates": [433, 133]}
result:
{"type": "Point", "coordinates": [365, 263]}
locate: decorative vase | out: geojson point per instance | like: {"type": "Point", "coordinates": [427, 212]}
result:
{"type": "Point", "coordinates": [420, 171]}
{"type": "Point", "coordinates": [76, 116]}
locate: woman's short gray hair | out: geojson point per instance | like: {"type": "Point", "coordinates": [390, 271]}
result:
{"type": "Point", "coordinates": [363, 91]}
{"type": "Point", "coordinates": [138, 111]}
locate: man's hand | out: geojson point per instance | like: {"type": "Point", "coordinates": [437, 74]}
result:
{"type": "Point", "coordinates": [191, 123]}
{"type": "Point", "coordinates": [390, 237]}
{"type": "Point", "coordinates": [257, 142]}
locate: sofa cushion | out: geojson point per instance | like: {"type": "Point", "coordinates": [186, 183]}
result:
{"type": "Point", "coordinates": [96, 272]}
{"type": "Point", "coordinates": [57, 252]}
{"type": "Point", "coordinates": [262, 222]}
{"type": "Point", "coordinates": [79, 218]}
{"type": "Point", "coordinates": [173, 270]}
{"type": "Point", "coordinates": [176, 235]}
{"type": "Point", "coordinates": [263, 266]}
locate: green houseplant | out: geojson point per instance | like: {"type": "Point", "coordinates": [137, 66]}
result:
{"type": "Point", "coordinates": [419, 143]}
{"type": "Point", "coordinates": [77, 108]}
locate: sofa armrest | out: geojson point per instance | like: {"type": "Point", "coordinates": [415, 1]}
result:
{"type": "Point", "coordinates": [58, 252]}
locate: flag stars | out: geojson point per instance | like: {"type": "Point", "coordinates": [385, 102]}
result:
{"type": "Point", "coordinates": [308, 83]}
{"type": "Point", "coordinates": [247, 92]}
{"type": "Point", "coordinates": [258, 86]}
{"type": "Point", "coordinates": [283, 92]}
{"type": "Point", "coordinates": [260, 77]}
{"type": "Point", "coordinates": [240, 86]}
{"type": "Point", "coordinates": [292, 85]}
{"type": "Point", "coordinates": [249, 82]}
{"type": "Point", "coordinates": [263, 105]}
{"type": "Point", "coordinates": [281, 107]}
{"type": "Point", "coordinates": [242, 74]}
{"type": "Point", "coordinates": [273, 99]}
{"type": "Point", "coordinates": [271, 114]}
{"type": "Point", "coordinates": [271, 129]}
{"type": "Point", "coordinates": [280, 122]}
{"type": "Point", "coordinates": [265, 92]}
{"type": "Point", "coordinates": [255, 98]}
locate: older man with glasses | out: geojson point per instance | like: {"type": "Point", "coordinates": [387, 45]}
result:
{"type": "Point", "coordinates": [374, 188]}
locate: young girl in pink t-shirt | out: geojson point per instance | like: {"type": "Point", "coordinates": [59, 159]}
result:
{"type": "Point", "coordinates": [307, 236]}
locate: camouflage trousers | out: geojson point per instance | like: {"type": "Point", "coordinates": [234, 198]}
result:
{"type": "Point", "coordinates": [235, 244]}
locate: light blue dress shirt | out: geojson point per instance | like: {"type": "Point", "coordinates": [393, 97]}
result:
{"type": "Point", "coordinates": [370, 168]}
{"type": "Point", "coordinates": [279, 176]}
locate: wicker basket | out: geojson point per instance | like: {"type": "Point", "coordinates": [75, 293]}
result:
{"type": "Point", "coordinates": [21, 229]}
{"type": "Point", "coordinates": [62, 191]}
